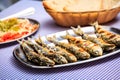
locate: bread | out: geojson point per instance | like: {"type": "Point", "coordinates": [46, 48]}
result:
{"type": "Point", "coordinates": [81, 12]}
{"type": "Point", "coordinates": [79, 5]}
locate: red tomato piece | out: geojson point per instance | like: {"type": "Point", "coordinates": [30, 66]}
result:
{"type": "Point", "coordinates": [7, 36]}
{"type": "Point", "coordinates": [25, 32]}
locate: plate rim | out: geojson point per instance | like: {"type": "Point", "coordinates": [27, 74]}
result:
{"type": "Point", "coordinates": [64, 65]}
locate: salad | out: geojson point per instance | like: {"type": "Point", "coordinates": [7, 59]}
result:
{"type": "Point", "coordinates": [15, 28]}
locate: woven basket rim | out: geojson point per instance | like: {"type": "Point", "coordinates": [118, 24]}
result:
{"type": "Point", "coordinates": [50, 10]}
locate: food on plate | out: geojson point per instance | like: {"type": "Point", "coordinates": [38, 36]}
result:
{"type": "Point", "coordinates": [59, 52]}
{"type": "Point", "coordinates": [104, 45]}
{"type": "Point", "coordinates": [57, 58]}
{"type": "Point", "coordinates": [106, 35]}
{"type": "Point", "coordinates": [35, 57]}
{"type": "Point", "coordinates": [15, 28]}
{"type": "Point", "coordinates": [92, 48]}
{"type": "Point", "coordinates": [78, 52]}
{"type": "Point", "coordinates": [69, 56]}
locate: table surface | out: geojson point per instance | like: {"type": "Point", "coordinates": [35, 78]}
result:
{"type": "Point", "coordinates": [10, 68]}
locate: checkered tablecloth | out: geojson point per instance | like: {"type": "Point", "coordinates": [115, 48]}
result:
{"type": "Point", "coordinates": [11, 69]}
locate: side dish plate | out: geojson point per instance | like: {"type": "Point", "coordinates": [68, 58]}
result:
{"type": "Point", "coordinates": [19, 55]}
{"type": "Point", "coordinates": [32, 21]}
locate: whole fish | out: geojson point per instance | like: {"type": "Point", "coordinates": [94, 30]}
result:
{"type": "Point", "coordinates": [78, 52]}
{"type": "Point", "coordinates": [106, 35]}
{"type": "Point", "coordinates": [68, 55]}
{"type": "Point", "coordinates": [105, 46]}
{"type": "Point", "coordinates": [59, 59]}
{"type": "Point", "coordinates": [56, 57]}
{"type": "Point", "coordinates": [92, 48]}
{"type": "Point", "coordinates": [58, 50]}
{"type": "Point", "coordinates": [35, 57]}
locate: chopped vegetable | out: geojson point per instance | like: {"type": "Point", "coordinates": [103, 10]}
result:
{"type": "Point", "coordinates": [15, 28]}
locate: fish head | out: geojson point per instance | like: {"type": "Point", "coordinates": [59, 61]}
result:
{"type": "Point", "coordinates": [96, 51]}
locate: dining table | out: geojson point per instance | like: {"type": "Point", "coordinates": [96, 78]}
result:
{"type": "Point", "coordinates": [107, 68]}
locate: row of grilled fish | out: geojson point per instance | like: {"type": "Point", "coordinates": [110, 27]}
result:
{"type": "Point", "coordinates": [40, 53]}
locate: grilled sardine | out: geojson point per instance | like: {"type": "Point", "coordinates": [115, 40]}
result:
{"type": "Point", "coordinates": [78, 52]}
{"type": "Point", "coordinates": [107, 35]}
{"type": "Point", "coordinates": [105, 46]}
{"type": "Point", "coordinates": [55, 57]}
{"type": "Point", "coordinates": [34, 57]}
{"type": "Point", "coordinates": [87, 45]}
{"type": "Point", "coordinates": [58, 50]}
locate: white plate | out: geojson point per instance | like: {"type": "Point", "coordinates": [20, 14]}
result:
{"type": "Point", "coordinates": [32, 21]}
{"type": "Point", "coordinates": [19, 55]}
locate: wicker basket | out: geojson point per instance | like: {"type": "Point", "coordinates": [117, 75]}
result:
{"type": "Point", "coordinates": [68, 19]}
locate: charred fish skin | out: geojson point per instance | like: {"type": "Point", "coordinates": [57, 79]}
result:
{"type": "Point", "coordinates": [41, 43]}
{"type": "Point", "coordinates": [35, 58]}
{"type": "Point", "coordinates": [79, 52]}
{"type": "Point", "coordinates": [87, 45]}
{"type": "Point", "coordinates": [34, 46]}
{"type": "Point", "coordinates": [69, 56]}
{"type": "Point", "coordinates": [56, 57]}
{"type": "Point", "coordinates": [59, 59]}
{"type": "Point", "coordinates": [107, 36]}
{"type": "Point", "coordinates": [105, 46]}
{"type": "Point", "coordinates": [58, 50]}
{"type": "Point", "coordinates": [74, 49]}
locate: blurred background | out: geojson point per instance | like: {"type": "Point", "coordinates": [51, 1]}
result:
{"type": "Point", "coordinates": [6, 3]}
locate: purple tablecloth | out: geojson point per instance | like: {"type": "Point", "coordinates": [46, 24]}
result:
{"type": "Point", "coordinates": [10, 68]}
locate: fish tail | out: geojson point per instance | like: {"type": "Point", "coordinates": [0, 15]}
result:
{"type": "Point", "coordinates": [96, 26]}
{"type": "Point", "coordinates": [40, 42]}
{"type": "Point", "coordinates": [109, 47]}
{"type": "Point", "coordinates": [78, 30]}
{"type": "Point", "coordinates": [51, 39]}
{"type": "Point", "coordinates": [65, 36]}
